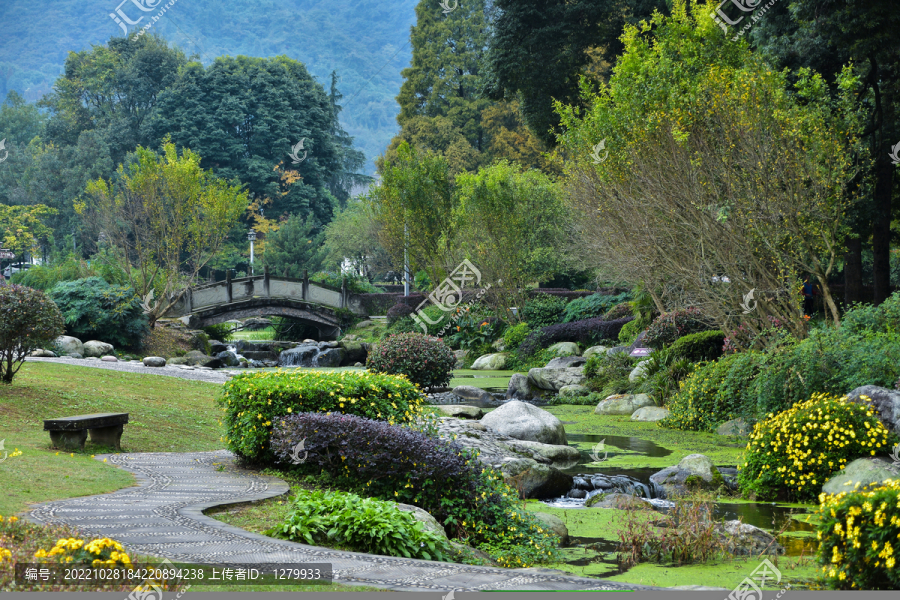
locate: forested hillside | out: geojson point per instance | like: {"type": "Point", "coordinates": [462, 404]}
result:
{"type": "Point", "coordinates": [360, 39]}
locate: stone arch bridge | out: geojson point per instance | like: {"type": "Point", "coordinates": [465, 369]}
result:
{"type": "Point", "coordinates": [317, 304]}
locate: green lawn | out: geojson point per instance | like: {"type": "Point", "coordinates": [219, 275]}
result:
{"type": "Point", "coordinates": [260, 335]}
{"type": "Point", "coordinates": [167, 414]}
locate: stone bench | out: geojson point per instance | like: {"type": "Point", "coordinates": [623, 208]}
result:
{"type": "Point", "coordinates": [70, 433]}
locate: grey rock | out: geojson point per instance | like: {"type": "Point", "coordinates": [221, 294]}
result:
{"type": "Point", "coordinates": [330, 357]}
{"type": "Point", "coordinates": [469, 392]}
{"type": "Point", "coordinates": [96, 349]}
{"type": "Point", "coordinates": [154, 361]}
{"type": "Point", "coordinates": [862, 471]}
{"type": "Point", "coordinates": [693, 471]}
{"type": "Point", "coordinates": [650, 413]}
{"type": "Point", "coordinates": [556, 379]}
{"type": "Point", "coordinates": [554, 524]}
{"type": "Point", "coordinates": [179, 360]}
{"type": "Point", "coordinates": [75, 355]}
{"type": "Point", "coordinates": [564, 362]}
{"type": "Point", "coordinates": [460, 411]}
{"type": "Point", "coordinates": [617, 349]}
{"type": "Point", "coordinates": [576, 493]}
{"type": "Point", "coordinates": [260, 355]}
{"type": "Point", "coordinates": [623, 404]}
{"type": "Point", "coordinates": [601, 483]}
{"type": "Point", "coordinates": [425, 518]}
{"type": "Point", "coordinates": [354, 351]}
{"type": "Point", "coordinates": [245, 346]}
{"type": "Point", "coordinates": [571, 391]}
{"type": "Point", "coordinates": [215, 347]}
{"type": "Point", "coordinates": [582, 484]}
{"type": "Point", "coordinates": [69, 345]}
{"type": "Point", "coordinates": [228, 359]}
{"type": "Point", "coordinates": [324, 345]}
{"type": "Point", "coordinates": [524, 421]}
{"type": "Point", "coordinates": [491, 362]}
{"type": "Point", "coordinates": [639, 371]}
{"type": "Point", "coordinates": [735, 427]}
{"type": "Point", "coordinates": [618, 501]}
{"type": "Point", "coordinates": [111, 359]}
{"type": "Point", "coordinates": [520, 389]}
{"type": "Point", "coordinates": [359, 364]}
{"type": "Point", "coordinates": [565, 349]}
{"type": "Point", "coordinates": [555, 453]}
{"type": "Point", "coordinates": [594, 350]}
{"type": "Point", "coordinates": [535, 480]}
{"type": "Point", "coordinates": [743, 539]}
{"type": "Point", "coordinates": [40, 353]}
{"type": "Point", "coordinates": [885, 402]}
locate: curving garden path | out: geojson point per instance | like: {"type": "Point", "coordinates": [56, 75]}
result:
{"type": "Point", "coordinates": [163, 517]}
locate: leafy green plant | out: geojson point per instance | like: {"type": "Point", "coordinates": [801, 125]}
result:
{"type": "Point", "coordinates": [695, 347]}
{"type": "Point", "coordinates": [630, 331]}
{"type": "Point", "coordinates": [252, 401]}
{"type": "Point", "coordinates": [663, 374]}
{"type": "Point", "coordinates": [515, 335]}
{"type": "Point", "coordinates": [860, 535]}
{"type": "Point", "coordinates": [608, 374]}
{"type": "Point", "coordinates": [595, 305]}
{"type": "Point", "coordinates": [355, 284]}
{"type": "Point", "coordinates": [96, 310]}
{"type": "Point", "coordinates": [30, 320]}
{"type": "Point", "coordinates": [425, 360]}
{"type": "Point", "coordinates": [359, 524]}
{"type": "Point", "coordinates": [792, 453]}
{"type": "Point", "coordinates": [222, 332]}
{"type": "Point", "coordinates": [472, 333]}
{"type": "Point", "coordinates": [542, 310]}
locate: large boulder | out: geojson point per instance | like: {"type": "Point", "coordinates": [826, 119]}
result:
{"type": "Point", "coordinates": [424, 517]}
{"type": "Point", "coordinates": [111, 359]}
{"type": "Point", "coordinates": [69, 345]}
{"type": "Point", "coordinates": [354, 351]}
{"type": "Point", "coordinates": [228, 359]}
{"type": "Point", "coordinates": [552, 452]}
{"type": "Point", "coordinates": [617, 500]}
{"type": "Point", "coordinates": [623, 404]}
{"type": "Point", "coordinates": [469, 392]}
{"type": "Point", "coordinates": [243, 346]}
{"type": "Point", "coordinates": [565, 349]}
{"type": "Point", "coordinates": [574, 391]}
{"type": "Point", "coordinates": [554, 524]}
{"type": "Point", "coordinates": [195, 358]}
{"type": "Point", "coordinates": [520, 389]}
{"type": "Point", "coordinates": [639, 371]}
{"type": "Point", "coordinates": [330, 357]}
{"type": "Point", "coordinates": [491, 362]}
{"type": "Point", "coordinates": [556, 379]}
{"type": "Point", "coordinates": [564, 362]}
{"type": "Point", "coordinates": [524, 421]}
{"type": "Point", "coordinates": [735, 427]}
{"type": "Point", "coordinates": [460, 411]}
{"type": "Point", "coordinates": [40, 353]}
{"type": "Point", "coordinates": [862, 471]}
{"type": "Point", "coordinates": [535, 480]}
{"type": "Point", "coordinates": [154, 361]}
{"type": "Point", "coordinates": [594, 350]}
{"type": "Point", "coordinates": [743, 539]}
{"type": "Point", "coordinates": [885, 402]}
{"type": "Point", "coordinates": [695, 471]}
{"type": "Point", "coordinates": [650, 413]}
{"type": "Point", "coordinates": [95, 349]}
{"type": "Point", "coordinates": [215, 347]}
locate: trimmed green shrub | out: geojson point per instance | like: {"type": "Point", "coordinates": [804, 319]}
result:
{"type": "Point", "coordinates": [543, 310]}
{"type": "Point", "coordinates": [252, 401]}
{"type": "Point", "coordinates": [96, 310]}
{"type": "Point", "coordinates": [668, 327]}
{"type": "Point", "coordinates": [695, 347]}
{"type": "Point", "coordinates": [425, 360]}
{"type": "Point", "coordinates": [593, 306]}
{"type": "Point", "coordinates": [629, 332]}
{"type": "Point", "coordinates": [29, 320]}
{"type": "Point", "coordinates": [860, 538]}
{"type": "Point", "coordinates": [586, 333]}
{"type": "Point", "coordinates": [515, 335]}
{"type": "Point", "coordinates": [397, 463]}
{"type": "Point", "coordinates": [619, 311]}
{"type": "Point", "coordinates": [368, 525]}
{"type": "Point", "coordinates": [792, 453]}
{"type": "Point", "coordinates": [715, 392]}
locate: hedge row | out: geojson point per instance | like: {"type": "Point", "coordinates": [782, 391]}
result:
{"type": "Point", "coordinates": [587, 332]}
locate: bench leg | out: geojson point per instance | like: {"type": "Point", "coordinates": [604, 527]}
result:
{"type": "Point", "coordinates": [69, 440]}
{"type": "Point", "coordinates": [107, 436]}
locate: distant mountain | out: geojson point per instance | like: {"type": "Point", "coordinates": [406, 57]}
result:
{"type": "Point", "coordinates": [365, 41]}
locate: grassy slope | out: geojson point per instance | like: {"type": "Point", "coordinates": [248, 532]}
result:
{"type": "Point", "coordinates": [166, 415]}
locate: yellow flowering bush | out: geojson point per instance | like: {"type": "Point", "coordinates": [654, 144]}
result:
{"type": "Point", "coordinates": [792, 453]}
{"type": "Point", "coordinates": [252, 401]}
{"type": "Point", "coordinates": [100, 552]}
{"type": "Point", "coordinates": [859, 533]}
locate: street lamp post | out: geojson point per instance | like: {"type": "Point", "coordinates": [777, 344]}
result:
{"type": "Point", "coordinates": [252, 237]}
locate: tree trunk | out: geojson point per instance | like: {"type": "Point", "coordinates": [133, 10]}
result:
{"type": "Point", "coordinates": [881, 230]}
{"type": "Point", "coordinates": [853, 272]}
{"type": "Point", "coordinates": [829, 301]}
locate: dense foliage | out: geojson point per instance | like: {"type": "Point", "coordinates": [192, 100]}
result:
{"type": "Point", "coordinates": [398, 311]}
{"type": "Point", "coordinates": [608, 374]}
{"type": "Point", "coordinates": [96, 310]}
{"type": "Point", "coordinates": [424, 360]}
{"type": "Point", "coordinates": [515, 335]}
{"type": "Point", "coordinates": [252, 402]}
{"type": "Point", "coordinates": [619, 311]}
{"type": "Point", "coordinates": [542, 310]}
{"type": "Point", "coordinates": [630, 331]}
{"type": "Point", "coordinates": [792, 453]}
{"type": "Point", "coordinates": [587, 333]}
{"type": "Point", "coordinates": [668, 327]}
{"type": "Point", "coordinates": [596, 305]}
{"type": "Point", "coordinates": [44, 277]}
{"type": "Point", "coordinates": [322, 518]}
{"type": "Point", "coordinates": [696, 347]}
{"type": "Point", "coordinates": [859, 533]}
{"type": "Point", "coordinates": [396, 463]}
{"type": "Point", "coordinates": [28, 320]}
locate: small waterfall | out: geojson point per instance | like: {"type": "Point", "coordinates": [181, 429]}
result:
{"type": "Point", "coordinates": [321, 354]}
{"type": "Point", "coordinates": [587, 486]}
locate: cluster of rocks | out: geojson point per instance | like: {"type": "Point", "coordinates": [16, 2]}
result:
{"type": "Point", "coordinates": [310, 353]}
{"type": "Point", "coordinates": [74, 348]}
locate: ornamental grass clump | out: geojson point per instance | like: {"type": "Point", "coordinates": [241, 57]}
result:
{"type": "Point", "coordinates": [792, 453]}
{"type": "Point", "coordinates": [389, 462]}
{"type": "Point", "coordinates": [425, 360]}
{"type": "Point", "coordinates": [859, 533]}
{"type": "Point", "coordinates": [250, 402]}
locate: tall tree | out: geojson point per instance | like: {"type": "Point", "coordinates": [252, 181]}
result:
{"type": "Point", "coordinates": [351, 161]}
